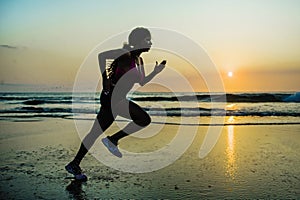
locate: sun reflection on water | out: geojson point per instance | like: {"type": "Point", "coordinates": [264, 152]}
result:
{"type": "Point", "coordinates": [230, 150]}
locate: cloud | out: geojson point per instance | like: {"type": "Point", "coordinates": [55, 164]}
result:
{"type": "Point", "coordinates": [7, 46]}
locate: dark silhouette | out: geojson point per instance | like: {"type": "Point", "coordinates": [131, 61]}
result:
{"type": "Point", "coordinates": [121, 69]}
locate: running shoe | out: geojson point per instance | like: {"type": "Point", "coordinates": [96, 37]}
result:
{"type": "Point", "coordinates": [112, 148]}
{"type": "Point", "coordinates": [81, 177]}
{"type": "Point", "coordinates": [73, 168]}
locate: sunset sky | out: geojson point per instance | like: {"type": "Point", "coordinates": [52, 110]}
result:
{"type": "Point", "coordinates": [45, 42]}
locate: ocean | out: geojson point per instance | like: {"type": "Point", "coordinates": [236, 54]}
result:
{"type": "Point", "coordinates": [245, 108]}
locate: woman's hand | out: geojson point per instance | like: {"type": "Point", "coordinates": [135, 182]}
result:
{"type": "Point", "coordinates": [159, 67]}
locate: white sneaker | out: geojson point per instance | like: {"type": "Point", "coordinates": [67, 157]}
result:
{"type": "Point", "coordinates": [111, 147]}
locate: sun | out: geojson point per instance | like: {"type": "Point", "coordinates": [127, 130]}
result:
{"type": "Point", "coordinates": [230, 74]}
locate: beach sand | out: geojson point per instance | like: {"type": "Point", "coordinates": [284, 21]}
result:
{"type": "Point", "coordinates": [248, 162]}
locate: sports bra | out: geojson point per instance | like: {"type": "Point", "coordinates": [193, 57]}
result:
{"type": "Point", "coordinates": [133, 69]}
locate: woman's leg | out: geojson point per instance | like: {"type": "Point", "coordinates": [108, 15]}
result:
{"type": "Point", "coordinates": [102, 122]}
{"type": "Point", "coordinates": [139, 117]}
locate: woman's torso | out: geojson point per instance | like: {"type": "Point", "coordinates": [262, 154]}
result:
{"type": "Point", "coordinates": [126, 74]}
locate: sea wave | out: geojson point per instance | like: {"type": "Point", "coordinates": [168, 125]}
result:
{"type": "Point", "coordinates": [69, 98]}
{"type": "Point", "coordinates": [237, 98]}
{"type": "Point", "coordinates": [293, 98]}
{"type": "Point", "coordinates": [191, 112]}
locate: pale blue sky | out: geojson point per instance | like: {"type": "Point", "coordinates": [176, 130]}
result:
{"type": "Point", "coordinates": [239, 35]}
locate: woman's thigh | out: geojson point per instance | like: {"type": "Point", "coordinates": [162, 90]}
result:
{"type": "Point", "coordinates": [105, 117]}
{"type": "Point", "coordinates": [129, 110]}
{"type": "Point", "coordinates": [132, 111]}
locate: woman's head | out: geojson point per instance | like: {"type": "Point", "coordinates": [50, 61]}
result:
{"type": "Point", "coordinates": [140, 39]}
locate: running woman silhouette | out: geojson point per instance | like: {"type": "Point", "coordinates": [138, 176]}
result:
{"type": "Point", "coordinates": [121, 69]}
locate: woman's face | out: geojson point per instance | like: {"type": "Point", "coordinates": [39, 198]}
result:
{"type": "Point", "coordinates": [145, 44]}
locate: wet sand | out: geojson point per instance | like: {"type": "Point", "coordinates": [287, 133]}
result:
{"type": "Point", "coordinates": [248, 162]}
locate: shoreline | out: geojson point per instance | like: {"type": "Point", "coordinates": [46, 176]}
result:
{"type": "Point", "coordinates": [205, 120]}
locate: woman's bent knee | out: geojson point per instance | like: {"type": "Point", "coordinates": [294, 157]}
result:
{"type": "Point", "coordinates": [143, 122]}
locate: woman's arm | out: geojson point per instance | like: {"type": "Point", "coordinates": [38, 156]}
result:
{"type": "Point", "coordinates": [157, 69]}
{"type": "Point", "coordinates": [106, 60]}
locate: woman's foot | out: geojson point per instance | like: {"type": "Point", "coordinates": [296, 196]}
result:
{"type": "Point", "coordinates": [112, 148]}
{"type": "Point", "coordinates": [73, 168]}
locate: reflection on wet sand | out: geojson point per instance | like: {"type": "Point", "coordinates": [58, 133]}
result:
{"type": "Point", "coordinates": [230, 151]}
{"type": "Point", "coordinates": [75, 190]}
